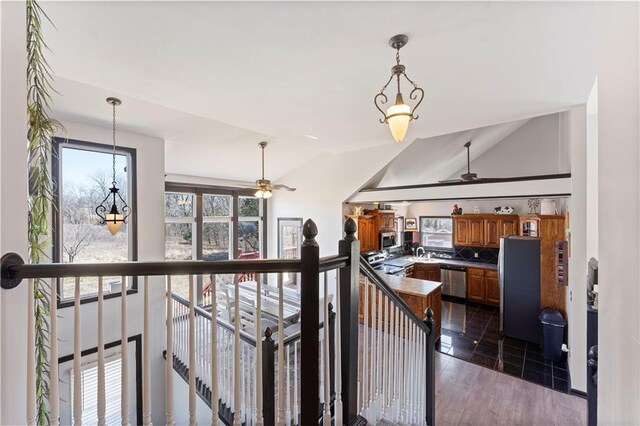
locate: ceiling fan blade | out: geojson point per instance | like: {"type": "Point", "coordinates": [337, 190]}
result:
{"type": "Point", "coordinates": [285, 187]}
{"type": "Point", "coordinates": [450, 181]}
{"type": "Point", "coordinates": [246, 185]}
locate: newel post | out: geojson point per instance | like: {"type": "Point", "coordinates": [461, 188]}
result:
{"type": "Point", "coordinates": [309, 322]}
{"type": "Point", "coordinates": [349, 300]}
{"type": "Point", "coordinates": [430, 391]}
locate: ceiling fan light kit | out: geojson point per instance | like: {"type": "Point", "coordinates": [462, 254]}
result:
{"type": "Point", "coordinates": [399, 114]}
{"type": "Point", "coordinates": [264, 187]}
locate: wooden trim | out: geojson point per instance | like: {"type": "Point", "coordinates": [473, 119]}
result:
{"type": "Point", "coordinates": [495, 180]}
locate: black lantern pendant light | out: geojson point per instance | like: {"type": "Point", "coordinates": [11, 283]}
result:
{"type": "Point", "coordinates": [115, 218]}
{"type": "Point", "coordinates": [400, 114]}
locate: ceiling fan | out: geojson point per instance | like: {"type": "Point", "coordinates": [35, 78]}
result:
{"type": "Point", "coordinates": [467, 177]}
{"type": "Point", "coordinates": [264, 186]}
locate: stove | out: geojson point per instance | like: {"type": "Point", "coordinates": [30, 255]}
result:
{"type": "Point", "coordinates": [389, 269]}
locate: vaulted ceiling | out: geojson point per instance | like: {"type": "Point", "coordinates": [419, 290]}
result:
{"type": "Point", "coordinates": [214, 78]}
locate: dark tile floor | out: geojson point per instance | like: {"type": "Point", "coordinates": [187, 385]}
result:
{"type": "Point", "coordinates": [471, 331]}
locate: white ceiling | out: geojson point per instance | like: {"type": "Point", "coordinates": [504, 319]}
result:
{"type": "Point", "coordinates": [215, 78]}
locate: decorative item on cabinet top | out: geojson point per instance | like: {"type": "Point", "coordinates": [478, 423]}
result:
{"type": "Point", "coordinates": [411, 224]}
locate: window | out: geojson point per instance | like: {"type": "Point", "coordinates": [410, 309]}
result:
{"type": "Point", "coordinates": [82, 176]}
{"type": "Point", "coordinates": [89, 397]}
{"type": "Point", "coordinates": [289, 244]}
{"type": "Point", "coordinates": [436, 233]}
{"type": "Point", "coordinates": [211, 224]}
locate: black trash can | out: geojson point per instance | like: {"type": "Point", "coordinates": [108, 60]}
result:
{"type": "Point", "coordinates": [552, 334]}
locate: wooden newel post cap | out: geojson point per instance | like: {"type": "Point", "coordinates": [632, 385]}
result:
{"type": "Point", "coordinates": [350, 229]}
{"type": "Point", "coordinates": [309, 230]}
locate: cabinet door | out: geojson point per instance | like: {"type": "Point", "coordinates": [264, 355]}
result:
{"type": "Point", "coordinates": [492, 232]}
{"type": "Point", "coordinates": [461, 231]}
{"type": "Point", "coordinates": [476, 232]}
{"type": "Point", "coordinates": [365, 229]}
{"type": "Point", "coordinates": [374, 239]}
{"type": "Point", "coordinates": [475, 288]}
{"type": "Point", "coordinates": [420, 271]}
{"type": "Point", "coordinates": [433, 273]}
{"type": "Point", "coordinates": [492, 290]}
{"type": "Point", "coordinates": [508, 227]}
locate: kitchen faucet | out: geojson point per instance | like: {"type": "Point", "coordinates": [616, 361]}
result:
{"type": "Point", "coordinates": [418, 251]}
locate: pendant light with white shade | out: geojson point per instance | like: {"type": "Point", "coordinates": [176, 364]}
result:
{"type": "Point", "coordinates": [116, 217]}
{"type": "Point", "coordinates": [399, 114]}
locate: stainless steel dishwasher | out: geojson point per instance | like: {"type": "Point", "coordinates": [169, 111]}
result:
{"type": "Point", "coordinates": [454, 280]}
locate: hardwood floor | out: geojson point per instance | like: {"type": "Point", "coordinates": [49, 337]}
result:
{"type": "Point", "coordinates": [467, 394]}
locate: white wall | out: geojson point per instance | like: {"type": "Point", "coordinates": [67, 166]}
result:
{"type": "Point", "coordinates": [574, 132]}
{"type": "Point", "coordinates": [444, 208]}
{"type": "Point", "coordinates": [13, 210]}
{"type": "Point", "coordinates": [536, 148]}
{"type": "Point", "coordinates": [592, 173]}
{"type": "Point", "coordinates": [150, 212]}
{"type": "Point", "coordinates": [619, 214]}
{"type": "Point", "coordinates": [323, 184]}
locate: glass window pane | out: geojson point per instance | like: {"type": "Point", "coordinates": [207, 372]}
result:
{"type": "Point", "coordinates": [215, 241]}
{"type": "Point", "coordinates": [85, 180]}
{"type": "Point", "coordinates": [436, 233]}
{"type": "Point", "coordinates": [248, 207]}
{"type": "Point", "coordinates": [216, 205]}
{"type": "Point", "coordinates": [178, 241]}
{"type": "Point", "coordinates": [178, 204]}
{"type": "Point", "coordinates": [248, 239]}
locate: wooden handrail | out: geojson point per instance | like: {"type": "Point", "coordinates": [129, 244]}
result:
{"type": "Point", "coordinates": [13, 268]}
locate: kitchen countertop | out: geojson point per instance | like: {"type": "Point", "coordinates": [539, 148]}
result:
{"type": "Point", "coordinates": [405, 261]}
{"type": "Point", "coordinates": [410, 285]}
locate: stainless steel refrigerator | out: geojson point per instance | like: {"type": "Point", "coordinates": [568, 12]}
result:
{"type": "Point", "coordinates": [519, 275]}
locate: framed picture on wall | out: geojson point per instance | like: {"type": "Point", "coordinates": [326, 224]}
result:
{"type": "Point", "coordinates": [411, 224]}
{"type": "Point", "coordinates": [289, 244]}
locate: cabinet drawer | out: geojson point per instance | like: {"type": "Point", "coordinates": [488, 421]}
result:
{"type": "Point", "coordinates": [490, 273]}
{"type": "Point", "coordinates": [475, 271]}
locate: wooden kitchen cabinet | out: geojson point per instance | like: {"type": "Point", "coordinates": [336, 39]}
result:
{"type": "Point", "coordinates": [385, 221]}
{"type": "Point", "coordinates": [367, 234]}
{"type": "Point", "coordinates": [461, 231]}
{"type": "Point", "coordinates": [483, 230]}
{"type": "Point", "coordinates": [476, 231]}
{"type": "Point", "coordinates": [482, 286]}
{"type": "Point", "coordinates": [475, 288]}
{"type": "Point", "coordinates": [426, 271]}
{"type": "Point", "coordinates": [492, 232]}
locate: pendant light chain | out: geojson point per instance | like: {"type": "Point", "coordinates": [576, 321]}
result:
{"type": "Point", "coordinates": [114, 143]}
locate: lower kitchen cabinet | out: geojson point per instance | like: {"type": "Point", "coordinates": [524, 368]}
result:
{"type": "Point", "coordinates": [475, 288]}
{"type": "Point", "coordinates": [426, 271]}
{"type": "Point", "coordinates": [482, 286]}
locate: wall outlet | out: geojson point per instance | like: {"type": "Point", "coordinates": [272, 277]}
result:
{"type": "Point", "coordinates": [476, 255]}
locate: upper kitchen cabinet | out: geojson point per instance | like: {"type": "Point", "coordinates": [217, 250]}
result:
{"type": "Point", "coordinates": [460, 231]}
{"type": "Point", "coordinates": [385, 220]}
{"type": "Point", "coordinates": [483, 230]}
{"type": "Point", "coordinates": [367, 234]}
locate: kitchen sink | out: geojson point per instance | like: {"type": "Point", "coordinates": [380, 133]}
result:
{"type": "Point", "coordinates": [424, 260]}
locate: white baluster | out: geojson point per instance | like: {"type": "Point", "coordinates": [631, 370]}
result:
{"type": "Point", "coordinates": [54, 384]}
{"type": "Point", "coordinates": [379, 365]}
{"type": "Point", "coordinates": [288, 390]}
{"type": "Point", "coordinates": [394, 382]}
{"type": "Point", "coordinates": [280, 417]}
{"type": "Point", "coordinates": [296, 409]}
{"type": "Point", "coordinates": [258, 336]}
{"type": "Point", "coordinates": [365, 348]}
{"type": "Point", "coordinates": [192, 354]}
{"type": "Point", "coordinates": [338, 357]}
{"type": "Point", "coordinates": [385, 359]}
{"type": "Point", "coordinates": [403, 371]}
{"type": "Point", "coordinates": [124, 378]}
{"type": "Point", "coordinates": [168, 372]}
{"type": "Point", "coordinates": [102, 404]}
{"type": "Point", "coordinates": [237, 415]}
{"type": "Point", "coordinates": [214, 352]}
{"type": "Point", "coordinates": [327, 364]}
{"type": "Point", "coordinates": [77, 357]}
{"type": "Point", "coordinates": [146, 361]}
{"type": "Point", "coordinates": [243, 381]}
{"type": "Point", "coordinates": [31, 413]}
{"type": "Point", "coordinates": [374, 352]}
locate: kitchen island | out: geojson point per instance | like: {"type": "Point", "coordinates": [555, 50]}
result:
{"type": "Point", "coordinates": [418, 294]}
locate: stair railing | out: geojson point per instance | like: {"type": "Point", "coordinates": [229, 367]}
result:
{"type": "Point", "coordinates": [397, 383]}
{"type": "Point", "coordinates": [310, 266]}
